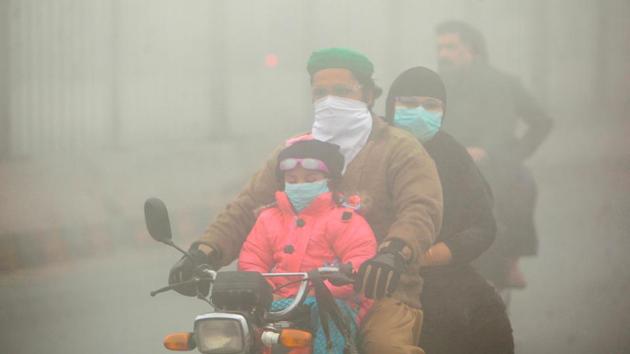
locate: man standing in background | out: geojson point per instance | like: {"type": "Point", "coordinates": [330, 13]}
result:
{"type": "Point", "coordinates": [486, 106]}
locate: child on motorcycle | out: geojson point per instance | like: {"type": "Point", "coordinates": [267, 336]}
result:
{"type": "Point", "coordinates": [308, 227]}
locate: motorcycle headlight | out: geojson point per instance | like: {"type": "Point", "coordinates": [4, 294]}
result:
{"type": "Point", "coordinates": [222, 333]}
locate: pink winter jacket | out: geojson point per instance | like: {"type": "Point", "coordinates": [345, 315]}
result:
{"type": "Point", "coordinates": [320, 235]}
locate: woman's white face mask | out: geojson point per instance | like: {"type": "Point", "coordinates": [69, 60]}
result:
{"type": "Point", "coordinates": [342, 121]}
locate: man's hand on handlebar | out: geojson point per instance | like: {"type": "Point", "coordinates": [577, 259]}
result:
{"type": "Point", "coordinates": [186, 268]}
{"type": "Point", "coordinates": [379, 276]}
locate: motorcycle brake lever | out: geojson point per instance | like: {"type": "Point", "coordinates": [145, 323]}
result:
{"type": "Point", "coordinates": [173, 286]}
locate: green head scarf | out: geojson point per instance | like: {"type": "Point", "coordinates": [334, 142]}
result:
{"type": "Point", "coordinates": [341, 58]}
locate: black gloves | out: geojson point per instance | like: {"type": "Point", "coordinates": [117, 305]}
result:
{"type": "Point", "coordinates": [379, 276]}
{"type": "Point", "coordinates": [184, 270]}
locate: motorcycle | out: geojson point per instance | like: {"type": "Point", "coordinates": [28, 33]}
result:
{"type": "Point", "coordinates": [242, 321]}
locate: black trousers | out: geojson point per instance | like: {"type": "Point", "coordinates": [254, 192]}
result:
{"type": "Point", "coordinates": [463, 314]}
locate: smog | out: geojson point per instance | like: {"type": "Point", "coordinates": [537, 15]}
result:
{"type": "Point", "coordinates": [104, 104]}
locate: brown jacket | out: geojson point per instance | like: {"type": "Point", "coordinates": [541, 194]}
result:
{"type": "Point", "coordinates": [393, 171]}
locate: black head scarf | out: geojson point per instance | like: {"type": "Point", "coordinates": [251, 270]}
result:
{"type": "Point", "coordinates": [417, 81]}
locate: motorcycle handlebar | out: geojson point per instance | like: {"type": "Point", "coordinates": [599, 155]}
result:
{"type": "Point", "coordinates": [206, 273]}
{"type": "Point", "coordinates": [341, 274]}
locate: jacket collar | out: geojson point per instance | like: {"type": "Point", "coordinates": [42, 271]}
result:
{"type": "Point", "coordinates": [320, 204]}
{"type": "Point", "coordinates": [378, 127]}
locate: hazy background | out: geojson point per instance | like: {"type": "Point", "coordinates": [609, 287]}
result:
{"type": "Point", "coordinates": [105, 103]}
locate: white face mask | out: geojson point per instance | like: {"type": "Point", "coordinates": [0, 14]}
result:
{"type": "Point", "coordinates": [342, 121]}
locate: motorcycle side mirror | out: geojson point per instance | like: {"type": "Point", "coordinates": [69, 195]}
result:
{"type": "Point", "coordinates": [158, 223]}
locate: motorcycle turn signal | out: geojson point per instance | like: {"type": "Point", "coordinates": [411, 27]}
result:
{"type": "Point", "coordinates": [179, 341]}
{"type": "Point", "coordinates": [288, 337]}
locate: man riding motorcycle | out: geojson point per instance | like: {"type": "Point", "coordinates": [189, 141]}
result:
{"type": "Point", "coordinates": [386, 166]}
